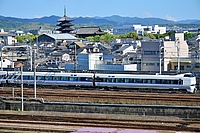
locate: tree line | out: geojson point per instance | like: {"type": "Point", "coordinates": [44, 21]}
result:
{"type": "Point", "coordinates": [107, 38]}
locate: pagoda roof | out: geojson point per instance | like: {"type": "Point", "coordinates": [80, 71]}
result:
{"type": "Point", "coordinates": [64, 18]}
{"type": "Point", "coordinates": [64, 24]}
{"type": "Point", "coordinates": [66, 29]}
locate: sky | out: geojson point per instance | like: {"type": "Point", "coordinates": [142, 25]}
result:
{"type": "Point", "coordinates": [166, 9]}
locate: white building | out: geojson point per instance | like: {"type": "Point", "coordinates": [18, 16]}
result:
{"type": "Point", "coordinates": [7, 39]}
{"type": "Point", "coordinates": [89, 61]}
{"type": "Point", "coordinates": [95, 61]}
{"type": "Point", "coordinates": [5, 63]}
{"type": "Point", "coordinates": [139, 29]}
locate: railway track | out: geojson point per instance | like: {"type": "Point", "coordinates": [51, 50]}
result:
{"type": "Point", "coordinates": [103, 96]}
{"type": "Point", "coordinates": [59, 123]}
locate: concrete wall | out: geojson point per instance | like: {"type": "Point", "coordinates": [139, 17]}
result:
{"type": "Point", "coordinates": [156, 110]}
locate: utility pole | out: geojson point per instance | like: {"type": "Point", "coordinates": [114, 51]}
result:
{"type": "Point", "coordinates": [22, 93]}
{"type": "Point", "coordinates": [34, 74]}
{"type": "Point", "coordinates": [161, 59]}
{"type": "Point", "coordinates": [74, 57]}
{"type": "Point", "coordinates": [160, 49]}
{"type": "Point", "coordinates": [177, 45]}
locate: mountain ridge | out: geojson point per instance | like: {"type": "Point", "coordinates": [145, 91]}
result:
{"type": "Point", "coordinates": [49, 22]}
{"type": "Point", "coordinates": [114, 20]}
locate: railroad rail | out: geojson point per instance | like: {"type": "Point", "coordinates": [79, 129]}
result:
{"type": "Point", "coordinates": [59, 123]}
{"type": "Point", "coordinates": [105, 96]}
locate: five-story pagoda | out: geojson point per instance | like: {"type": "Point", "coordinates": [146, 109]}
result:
{"type": "Point", "coordinates": [65, 25]}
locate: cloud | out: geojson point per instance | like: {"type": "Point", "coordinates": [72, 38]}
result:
{"type": "Point", "coordinates": [38, 16]}
{"type": "Point", "coordinates": [168, 17]}
{"type": "Point", "coordinates": [147, 14]}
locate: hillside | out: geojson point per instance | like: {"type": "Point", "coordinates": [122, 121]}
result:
{"type": "Point", "coordinates": [9, 23]}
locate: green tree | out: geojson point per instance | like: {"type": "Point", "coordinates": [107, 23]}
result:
{"type": "Point", "coordinates": [27, 38]}
{"type": "Point", "coordinates": [133, 35]}
{"type": "Point", "coordinates": [151, 36]}
{"type": "Point", "coordinates": [123, 36]}
{"type": "Point", "coordinates": [107, 38]}
{"type": "Point", "coordinates": [145, 34]}
{"type": "Point", "coordinates": [96, 38]}
{"type": "Point", "coordinates": [19, 39]}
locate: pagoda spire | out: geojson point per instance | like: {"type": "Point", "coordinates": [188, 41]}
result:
{"type": "Point", "coordinates": [65, 11]}
{"type": "Point", "coordinates": [64, 23]}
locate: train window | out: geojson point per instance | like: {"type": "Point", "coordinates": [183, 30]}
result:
{"type": "Point", "coordinates": [153, 81]}
{"type": "Point", "coordinates": [117, 80]}
{"type": "Point", "coordinates": [40, 77]}
{"type": "Point", "coordinates": [64, 78]}
{"type": "Point", "coordinates": [120, 80]}
{"type": "Point", "coordinates": [57, 78]}
{"type": "Point", "coordinates": [85, 79]}
{"type": "Point", "coordinates": [48, 77]}
{"type": "Point", "coordinates": [174, 82]}
{"type": "Point", "coordinates": [104, 79]}
{"type": "Point", "coordinates": [26, 77]}
{"type": "Point", "coordinates": [78, 79]}
{"type": "Point", "coordinates": [72, 79]}
{"type": "Point", "coordinates": [109, 80]}
{"type": "Point", "coordinates": [31, 78]}
{"type": "Point", "coordinates": [128, 81]}
{"type": "Point", "coordinates": [158, 81]}
{"type": "Point", "coordinates": [147, 81]}
{"type": "Point", "coordinates": [114, 80]}
{"type": "Point", "coordinates": [138, 81]}
{"type": "Point", "coordinates": [164, 81]}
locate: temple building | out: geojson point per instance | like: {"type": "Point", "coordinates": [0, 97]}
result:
{"type": "Point", "coordinates": [64, 24]}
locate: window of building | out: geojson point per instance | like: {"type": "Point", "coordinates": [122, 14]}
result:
{"type": "Point", "coordinates": [151, 64]}
{"type": "Point", "coordinates": [197, 66]}
{"type": "Point", "coordinates": [182, 68]}
{"type": "Point", "coordinates": [188, 66]}
{"type": "Point", "coordinates": [150, 52]}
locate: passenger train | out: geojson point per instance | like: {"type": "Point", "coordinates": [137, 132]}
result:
{"type": "Point", "coordinates": [185, 81]}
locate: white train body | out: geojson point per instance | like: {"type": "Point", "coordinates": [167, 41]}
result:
{"type": "Point", "coordinates": [182, 81]}
{"type": "Point", "coordinates": [47, 78]}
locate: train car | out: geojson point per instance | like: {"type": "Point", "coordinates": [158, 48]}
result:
{"type": "Point", "coordinates": [56, 79]}
{"type": "Point", "coordinates": [185, 81]}
{"type": "Point", "coordinates": [181, 82]}
{"type": "Point", "coordinates": [3, 76]}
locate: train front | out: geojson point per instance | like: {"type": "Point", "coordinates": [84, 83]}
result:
{"type": "Point", "coordinates": [190, 82]}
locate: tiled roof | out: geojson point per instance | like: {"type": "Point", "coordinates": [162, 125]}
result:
{"type": "Point", "coordinates": [62, 36]}
{"type": "Point", "coordinates": [90, 30]}
{"type": "Point", "coordinates": [80, 44]}
{"type": "Point", "coordinates": [123, 48]}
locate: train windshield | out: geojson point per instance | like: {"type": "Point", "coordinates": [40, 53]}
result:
{"type": "Point", "coordinates": [188, 75]}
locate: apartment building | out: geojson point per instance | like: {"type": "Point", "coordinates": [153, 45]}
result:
{"type": "Point", "coordinates": [7, 38]}
{"type": "Point", "coordinates": [156, 54]}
